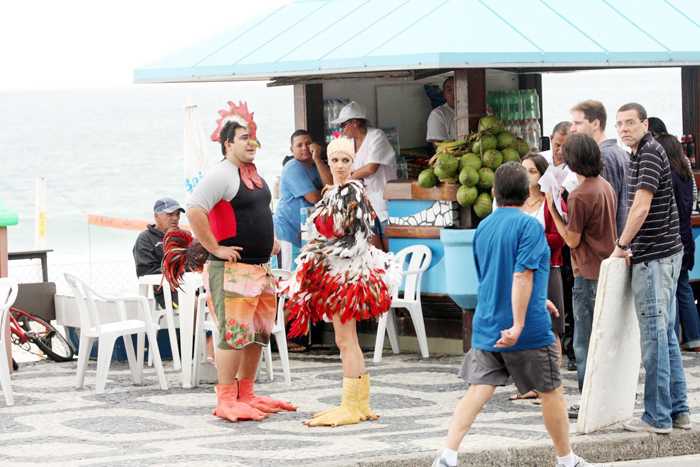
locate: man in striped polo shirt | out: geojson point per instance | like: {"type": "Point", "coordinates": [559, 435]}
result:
{"type": "Point", "coordinates": [652, 244]}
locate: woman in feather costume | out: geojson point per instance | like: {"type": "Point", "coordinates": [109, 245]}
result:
{"type": "Point", "coordinates": [342, 278]}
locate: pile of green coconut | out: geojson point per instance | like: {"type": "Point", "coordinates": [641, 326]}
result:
{"type": "Point", "coordinates": [472, 163]}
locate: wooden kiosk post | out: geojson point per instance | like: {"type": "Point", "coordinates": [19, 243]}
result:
{"type": "Point", "coordinates": [308, 110]}
{"type": "Point", "coordinates": [470, 106]}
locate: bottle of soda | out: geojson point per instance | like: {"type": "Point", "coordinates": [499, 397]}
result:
{"type": "Point", "coordinates": [684, 145]}
{"type": "Point", "coordinates": [691, 152]}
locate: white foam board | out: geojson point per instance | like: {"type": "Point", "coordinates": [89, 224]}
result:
{"type": "Point", "coordinates": [614, 354]}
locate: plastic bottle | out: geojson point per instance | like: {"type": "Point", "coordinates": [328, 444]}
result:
{"type": "Point", "coordinates": [501, 104]}
{"type": "Point", "coordinates": [518, 100]}
{"type": "Point", "coordinates": [536, 98]}
{"type": "Point", "coordinates": [691, 152]}
{"type": "Point", "coordinates": [531, 104]}
{"type": "Point", "coordinates": [684, 145]}
{"type": "Point", "coordinates": [522, 130]}
{"type": "Point", "coordinates": [536, 135]}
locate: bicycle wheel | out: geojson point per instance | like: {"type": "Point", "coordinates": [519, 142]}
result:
{"type": "Point", "coordinates": [48, 339]}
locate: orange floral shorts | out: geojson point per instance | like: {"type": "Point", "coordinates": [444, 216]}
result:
{"type": "Point", "coordinates": [242, 297]}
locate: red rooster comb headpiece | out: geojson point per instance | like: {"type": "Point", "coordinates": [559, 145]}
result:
{"type": "Point", "coordinates": [239, 114]}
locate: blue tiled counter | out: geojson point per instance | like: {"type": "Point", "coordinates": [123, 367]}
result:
{"type": "Point", "coordinates": [419, 216]}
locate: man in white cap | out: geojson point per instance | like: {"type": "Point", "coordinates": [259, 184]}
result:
{"type": "Point", "coordinates": [148, 249]}
{"type": "Point", "coordinates": [375, 164]}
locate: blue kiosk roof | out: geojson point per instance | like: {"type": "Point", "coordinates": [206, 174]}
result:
{"type": "Point", "coordinates": [318, 38]}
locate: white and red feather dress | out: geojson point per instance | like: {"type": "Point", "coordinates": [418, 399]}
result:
{"type": "Point", "coordinates": [338, 271]}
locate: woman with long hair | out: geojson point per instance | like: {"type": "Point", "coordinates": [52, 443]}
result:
{"type": "Point", "coordinates": [536, 206]}
{"type": "Point", "coordinates": [342, 278]}
{"type": "Point", "coordinates": [682, 178]}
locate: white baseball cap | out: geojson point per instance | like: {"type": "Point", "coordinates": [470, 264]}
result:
{"type": "Point", "coordinates": [350, 111]}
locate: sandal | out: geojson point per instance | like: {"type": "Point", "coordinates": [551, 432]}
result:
{"type": "Point", "coordinates": [527, 395]}
{"type": "Point", "coordinates": [293, 347]}
{"type": "Point", "coordinates": [537, 401]}
{"type": "Point", "coordinates": [211, 361]}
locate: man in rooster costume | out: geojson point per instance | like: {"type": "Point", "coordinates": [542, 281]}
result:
{"type": "Point", "coordinates": [229, 212]}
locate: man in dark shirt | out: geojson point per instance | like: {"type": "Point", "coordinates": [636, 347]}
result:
{"type": "Point", "coordinates": [652, 244]}
{"type": "Point", "coordinates": [229, 212]}
{"type": "Point", "coordinates": [148, 249]}
{"type": "Point", "coordinates": [589, 118]}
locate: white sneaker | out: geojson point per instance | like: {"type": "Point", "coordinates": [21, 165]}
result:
{"type": "Point", "coordinates": [582, 463]}
{"type": "Point", "coordinates": [441, 462]}
{"type": "Point", "coordinates": [640, 425]}
{"type": "Point", "coordinates": [683, 422]}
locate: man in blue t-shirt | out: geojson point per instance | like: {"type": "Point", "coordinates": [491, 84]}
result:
{"type": "Point", "coordinates": [512, 334]}
{"type": "Point", "coordinates": [300, 186]}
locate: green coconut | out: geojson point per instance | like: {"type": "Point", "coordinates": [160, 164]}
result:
{"type": "Point", "coordinates": [427, 178]}
{"type": "Point", "coordinates": [483, 206]}
{"type": "Point", "coordinates": [470, 160]}
{"type": "Point", "coordinates": [485, 178]}
{"type": "Point", "coordinates": [492, 159]}
{"type": "Point", "coordinates": [488, 141]}
{"type": "Point", "coordinates": [447, 162]}
{"type": "Point", "coordinates": [510, 155]}
{"type": "Point", "coordinates": [468, 176]}
{"type": "Point", "coordinates": [491, 123]}
{"type": "Point", "coordinates": [466, 195]}
{"type": "Point", "coordinates": [506, 139]}
{"type": "Point", "coordinates": [522, 147]}
{"type": "Point", "coordinates": [442, 174]}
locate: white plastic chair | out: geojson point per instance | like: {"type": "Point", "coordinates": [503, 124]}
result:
{"type": "Point", "coordinates": [280, 336]}
{"type": "Point", "coordinates": [159, 313]}
{"type": "Point", "coordinates": [8, 294]}
{"type": "Point", "coordinates": [413, 274]}
{"type": "Point", "coordinates": [91, 328]}
{"type": "Point", "coordinates": [203, 324]}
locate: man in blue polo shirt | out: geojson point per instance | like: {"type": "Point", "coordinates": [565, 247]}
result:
{"type": "Point", "coordinates": [300, 186]}
{"type": "Point", "coordinates": [512, 334]}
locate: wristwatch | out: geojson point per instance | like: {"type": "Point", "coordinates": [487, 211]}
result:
{"type": "Point", "coordinates": [622, 247]}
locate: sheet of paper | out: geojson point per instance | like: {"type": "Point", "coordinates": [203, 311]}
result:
{"type": "Point", "coordinates": [549, 184]}
{"type": "Point", "coordinates": [565, 177]}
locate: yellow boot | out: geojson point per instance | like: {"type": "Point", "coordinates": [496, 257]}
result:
{"type": "Point", "coordinates": [366, 412]}
{"type": "Point", "coordinates": [348, 413]}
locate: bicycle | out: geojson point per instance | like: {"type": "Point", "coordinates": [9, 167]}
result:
{"type": "Point", "coordinates": [35, 330]}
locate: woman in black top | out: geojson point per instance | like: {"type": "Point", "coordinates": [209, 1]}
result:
{"type": "Point", "coordinates": [682, 177]}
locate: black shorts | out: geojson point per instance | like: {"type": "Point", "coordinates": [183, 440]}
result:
{"type": "Point", "coordinates": [530, 369]}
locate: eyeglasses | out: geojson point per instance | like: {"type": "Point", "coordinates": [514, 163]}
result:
{"type": "Point", "coordinates": [628, 123]}
{"type": "Point", "coordinates": [345, 123]}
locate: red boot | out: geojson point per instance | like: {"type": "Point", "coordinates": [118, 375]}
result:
{"type": "Point", "coordinates": [230, 408]}
{"type": "Point", "coordinates": [262, 403]}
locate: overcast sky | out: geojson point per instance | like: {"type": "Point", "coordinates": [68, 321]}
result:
{"type": "Point", "coordinates": [97, 43]}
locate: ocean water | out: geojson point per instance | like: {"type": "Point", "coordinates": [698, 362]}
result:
{"type": "Point", "coordinates": [115, 151]}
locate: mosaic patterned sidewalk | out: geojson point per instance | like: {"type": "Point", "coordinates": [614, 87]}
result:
{"type": "Point", "coordinates": [53, 423]}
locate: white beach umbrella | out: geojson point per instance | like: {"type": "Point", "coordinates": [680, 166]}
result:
{"type": "Point", "coordinates": [195, 155]}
